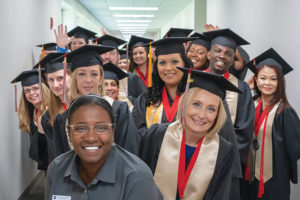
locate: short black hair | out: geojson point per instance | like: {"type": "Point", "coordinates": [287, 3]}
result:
{"type": "Point", "coordinates": [90, 99]}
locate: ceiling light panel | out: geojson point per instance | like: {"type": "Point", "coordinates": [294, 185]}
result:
{"type": "Point", "coordinates": [133, 8]}
{"type": "Point", "coordinates": [133, 21]}
{"type": "Point", "coordinates": [134, 16]}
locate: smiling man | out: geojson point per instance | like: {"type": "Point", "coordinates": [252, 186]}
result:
{"type": "Point", "coordinates": [223, 46]}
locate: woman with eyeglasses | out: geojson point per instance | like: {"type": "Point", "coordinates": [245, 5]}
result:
{"type": "Point", "coordinates": [96, 167]}
{"type": "Point", "coordinates": [87, 78]}
{"type": "Point", "coordinates": [30, 109]}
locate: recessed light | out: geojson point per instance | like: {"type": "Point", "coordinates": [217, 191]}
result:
{"type": "Point", "coordinates": [133, 25]}
{"type": "Point", "coordinates": [133, 21]}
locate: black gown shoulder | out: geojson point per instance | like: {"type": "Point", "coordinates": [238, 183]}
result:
{"type": "Point", "coordinates": [48, 130]}
{"type": "Point", "coordinates": [136, 87]}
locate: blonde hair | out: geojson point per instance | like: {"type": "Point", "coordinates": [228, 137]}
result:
{"type": "Point", "coordinates": [221, 115]}
{"type": "Point", "coordinates": [55, 106]}
{"type": "Point", "coordinates": [74, 90]}
{"type": "Point", "coordinates": [25, 112]}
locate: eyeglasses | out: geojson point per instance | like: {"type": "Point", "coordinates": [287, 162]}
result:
{"type": "Point", "coordinates": [33, 89]}
{"type": "Point", "coordinates": [82, 129]}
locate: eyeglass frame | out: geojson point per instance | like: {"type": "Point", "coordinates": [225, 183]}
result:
{"type": "Point", "coordinates": [33, 89]}
{"type": "Point", "coordinates": [70, 127]}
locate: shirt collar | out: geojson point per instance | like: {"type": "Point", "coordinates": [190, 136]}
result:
{"type": "Point", "coordinates": [106, 174]}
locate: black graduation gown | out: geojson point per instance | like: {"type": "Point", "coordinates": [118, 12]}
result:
{"type": "Point", "coordinates": [244, 121]}
{"type": "Point", "coordinates": [286, 152]}
{"type": "Point", "coordinates": [221, 183]}
{"type": "Point", "coordinates": [38, 147]}
{"type": "Point", "coordinates": [125, 136]}
{"type": "Point", "coordinates": [48, 130]}
{"type": "Point", "coordinates": [136, 87]}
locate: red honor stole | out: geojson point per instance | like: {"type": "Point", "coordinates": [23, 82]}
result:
{"type": "Point", "coordinates": [226, 75]}
{"type": "Point", "coordinates": [183, 176]}
{"type": "Point", "coordinates": [142, 76]}
{"type": "Point", "coordinates": [170, 112]}
{"type": "Point", "coordinates": [257, 124]}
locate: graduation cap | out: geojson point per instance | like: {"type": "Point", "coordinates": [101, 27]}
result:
{"type": "Point", "coordinates": [178, 32]}
{"type": "Point", "coordinates": [202, 40]}
{"type": "Point", "coordinates": [111, 71]}
{"type": "Point", "coordinates": [122, 54]}
{"type": "Point", "coordinates": [170, 45]}
{"type": "Point", "coordinates": [28, 77]}
{"type": "Point", "coordinates": [109, 40]}
{"type": "Point", "coordinates": [137, 40]}
{"type": "Point", "coordinates": [225, 37]}
{"type": "Point", "coordinates": [243, 54]}
{"type": "Point", "coordinates": [271, 58]}
{"type": "Point", "coordinates": [48, 46]}
{"type": "Point", "coordinates": [213, 83]}
{"type": "Point", "coordinates": [47, 59]}
{"type": "Point", "coordinates": [85, 56]}
{"type": "Point", "coordinates": [79, 32]}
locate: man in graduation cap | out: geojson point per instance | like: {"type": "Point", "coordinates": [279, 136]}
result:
{"type": "Point", "coordinates": [132, 85]}
{"type": "Point", "coordinates": [223, 46]}
{"type": "Point", "coordinates": [79, 37]}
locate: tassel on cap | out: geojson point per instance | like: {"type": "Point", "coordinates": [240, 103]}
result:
{"type": "Point", "coordinates": [43, 51]}
{"type": "Point", "coordinates": [150, 67]}
{"type": "Point", "coordinates": [16, 100]}
{"type": "Point", "coordinates": [127, 54]}
{"type": "Point", "coordinates": [64, 80]}
{"type": "Point", "coordinates": [189, 81]}
{"type": "Point", "coordinates": [40, 81]}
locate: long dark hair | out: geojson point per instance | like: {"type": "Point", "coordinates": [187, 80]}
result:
{"type": "Point", "coordinates": [90, 99]}
{"type": "Point", "coordinates": [155, 92]}
{"type": "Point", "coordinates": [132, 63]}
{"type": "Point", "coordinates": [280, 90]}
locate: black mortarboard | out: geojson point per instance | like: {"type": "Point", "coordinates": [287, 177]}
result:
{"type": "Point", "coordinates": [178, 32]}
{"type": "Point", "coordinates": [136, 39]}
{"type": "Point", "coordinates": [202, 40]}
{"type": "Point", "coordinates": [225, 37]}
{"type": "Point", "coordinates": [28, 77]}
{"type": "Point", "coordinates": [271, 58]}
{"type": "Point", "coordinates": [213, 83]}
{"type": "Point", "coordinates": [111, 71]}
{"type": "Point", "coordinates": [122, 53]}
{"type": "Point", "coordinates": [80, 32]}
{"type": "Point", "coordinates": [50, 65]}
{"type": "Point", "coordinates": [85, 56]}
{"type": "Point", "coordinates": [109, 40]}
{"type": "Point", "coordinates": [47, 59]}
{"type": "Point", "coordinates": [48, 46]}
{"type": "Point", "coordinates": [170, 45]}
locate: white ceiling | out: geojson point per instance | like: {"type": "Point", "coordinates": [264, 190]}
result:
{"type": "Point", "coordinates": [167, 9]}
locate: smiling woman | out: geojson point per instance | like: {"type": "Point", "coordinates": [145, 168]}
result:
{"type": "Point", "coordinates": [97, 167]}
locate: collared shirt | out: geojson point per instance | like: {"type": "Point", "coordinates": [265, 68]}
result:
{"type": "Point", "coordinates": [123, 176]}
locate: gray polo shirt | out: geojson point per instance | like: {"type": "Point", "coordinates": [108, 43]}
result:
{"type": "Point", "coordinates": [123, 176]}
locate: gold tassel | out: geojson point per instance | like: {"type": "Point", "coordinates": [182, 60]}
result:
{"type": "Point", "coordinates": [43, 52]}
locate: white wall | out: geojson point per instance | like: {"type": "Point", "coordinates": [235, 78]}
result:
{"type": "Point", "coordinates": [184, 19]}
{"type": "Point", "coordinates": [265, 24]}
{"type": "Point", "coordinates": [23, 24]}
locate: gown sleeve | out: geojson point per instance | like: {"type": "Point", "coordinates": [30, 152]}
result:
{"type": "Point", "coordinates": [150, 144]}
{"type": "Point", "coordinates": [136, 87]}
{"type": "Point", "coordinates": [48, 130]}
{"type": "Point", "coordinates": [139, 115]}
{"type": "Point", "coordinates": [289, 124]}
{"type": "Point", "coordinates": [244, 123]}
{"type": "Point", "coordinates": [60, 138]}
{"type": "Point", "coordinates": [126, 134]}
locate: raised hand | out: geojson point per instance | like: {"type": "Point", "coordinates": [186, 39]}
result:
{"type": "Point", "coordinates": [251, 82]}
{"type": "Point", "coordinates": [61, 36]}
{"type": "Point", "coordinates": [210, 27]}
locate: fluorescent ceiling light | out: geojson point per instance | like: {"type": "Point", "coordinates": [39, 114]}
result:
{"type": "Point", "coordinates": [133, 8]}
{"type": "Point", "coordinates": [135, 28]}
{"type": "Point", "coordinates": [133, 21]}
{"type": "Point", "coordinates": [135, 16]}
{"type": "Point", "coordinates": [133, 24]}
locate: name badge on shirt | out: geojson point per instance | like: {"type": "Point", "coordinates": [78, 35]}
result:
{"type": "Point", "coordinates": [60, 197]}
